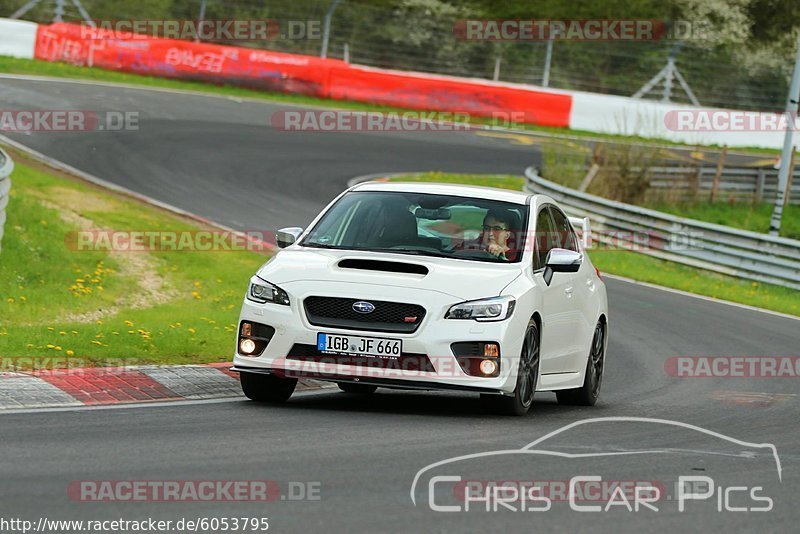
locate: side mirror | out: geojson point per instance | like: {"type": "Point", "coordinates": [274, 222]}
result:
{"type": "Point", "coordinates": [286, 236]}
{"type": "Point", "coordinates": [560, 260]}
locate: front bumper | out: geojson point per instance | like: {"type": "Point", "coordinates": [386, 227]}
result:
{"type": "Point", "coordinates": [433, 339]}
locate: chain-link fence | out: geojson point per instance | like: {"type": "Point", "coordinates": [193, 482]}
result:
{"type": "Point", "coordinates": [419, 35]}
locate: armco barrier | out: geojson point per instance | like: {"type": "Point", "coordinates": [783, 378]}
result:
{"type": "Point", "coordinates": [6, 166]}
{"type": "Point", "coordinates": [745, 183]}
{"type": "Point", "coordinates": [427, 91]}
{"type": "Point", "coordinates": [262, 69]}
{"type": "Point", "coordinates": [725, 250]}
{"type": "Point", "coordinates": [292, 73]}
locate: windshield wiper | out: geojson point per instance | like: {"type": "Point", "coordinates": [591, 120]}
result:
{"type": "Point", "coordinates": [320, 245]}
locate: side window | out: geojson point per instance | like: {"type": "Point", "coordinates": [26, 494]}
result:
{"type": "Point", "coordinates": [543, 238]}
{"type": "Point", "coordinates": [564, 236]}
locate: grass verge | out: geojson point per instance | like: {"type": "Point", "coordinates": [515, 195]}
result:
{"type": "Point", "coordinates": [63, 70]}
{"type": "Point", "coordinates": [743, 215]}
{"type": "Point", "coordinates": [98, 307]}
{"type": "Point", "coordinates": [648, 269]}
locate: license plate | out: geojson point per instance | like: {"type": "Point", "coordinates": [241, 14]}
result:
{"type": "Point", "coordinates": [359, 346]}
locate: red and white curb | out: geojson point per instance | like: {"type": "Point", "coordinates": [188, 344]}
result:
{"type": "Point", "coordinates": [110, 385]}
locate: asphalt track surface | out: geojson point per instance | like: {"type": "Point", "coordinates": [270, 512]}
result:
{"type": "Point", "coordinates": [220, 159]}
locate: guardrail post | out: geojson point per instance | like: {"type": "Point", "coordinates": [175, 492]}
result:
{"type": "Point", "coordinates": [6, 166]}
{"type": "Point", "coordinates": [326, 28]}
{"type": "Point", "coordinates": [789, 179]}
{"type": "Point", "coordinates": [760, 186]}
{"type": "Point", "coordinates": [718, 174]}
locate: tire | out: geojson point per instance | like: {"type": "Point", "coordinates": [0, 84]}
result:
{"type": "Point", "coordinates": [588, 394]}
{"type": "Point", "coordinates": [358, 389]}
{"type": "Point", "coordinates": [267, 388]}
{"type": "Point", "coordinates": [527, 377]}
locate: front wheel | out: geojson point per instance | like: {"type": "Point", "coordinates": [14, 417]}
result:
{"type": "Point", "coordinates": [527, 377]}
{"type": "Point", "coordinates": [587, 394]}
{"type": "Point", "coordinates": [267, 388]}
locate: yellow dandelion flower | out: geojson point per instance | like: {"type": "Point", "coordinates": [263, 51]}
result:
{"type": "Point", "coordinates": [70, 353]}
{"type": "Point", "coordinates": [128, 323]}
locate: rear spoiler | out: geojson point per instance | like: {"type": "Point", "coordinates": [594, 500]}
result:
{"type": "Point", "coordinates": [582, 227]}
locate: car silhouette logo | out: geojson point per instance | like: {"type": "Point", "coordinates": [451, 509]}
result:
{"type": "Point", "coordinates": [363, 307]}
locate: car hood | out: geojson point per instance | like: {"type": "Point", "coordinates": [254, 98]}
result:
{"type": "Point", "coordinates": [462, 279]}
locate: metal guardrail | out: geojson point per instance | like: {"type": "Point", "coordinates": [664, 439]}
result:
{"type": "Point", "coordinates": [756, 184]}
{"type": "Point", "coordinates": [739, 253]}
{"type": "Point", "coordinates": [6, 166]}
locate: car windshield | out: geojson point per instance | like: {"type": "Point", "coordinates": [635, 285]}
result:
{"type": "Point", "coordinates": [423, 224]}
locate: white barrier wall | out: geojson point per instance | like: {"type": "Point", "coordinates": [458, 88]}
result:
{"type": "Point", "coordinates": [674, 122]}
{"type": "Point", "coordinates": [17, 38]}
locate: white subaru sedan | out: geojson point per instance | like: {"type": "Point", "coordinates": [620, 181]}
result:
{"type": "Point", "coordinates": [427, 286]}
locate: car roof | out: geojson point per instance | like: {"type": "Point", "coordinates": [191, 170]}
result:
{"type": "Point", "coordinates": [435, 188]}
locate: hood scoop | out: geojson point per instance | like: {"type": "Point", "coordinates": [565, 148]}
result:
{"type": "Point", "coordinates": [384, 266]}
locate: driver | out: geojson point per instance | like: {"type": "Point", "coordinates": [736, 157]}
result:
{"type": "Point", "coordinates": [496, 232]}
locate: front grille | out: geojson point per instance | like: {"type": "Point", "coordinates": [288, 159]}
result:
{"type": "Point", "coordinates": [336, 312]}
{"type": "Point", "coordinates": [407, 361]}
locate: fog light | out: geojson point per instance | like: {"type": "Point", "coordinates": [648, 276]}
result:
{"type": "Point", "coordinates": [488, 367]}
{"type": "Point", "coordinates": [491, 350]}
{"type": "Point", "coordinates": [247, 346]}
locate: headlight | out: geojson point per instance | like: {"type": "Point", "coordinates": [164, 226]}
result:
{"type": "Point", "coordinates": [491, 309]}
{"type": "Point", "coordinates": [261, 291]}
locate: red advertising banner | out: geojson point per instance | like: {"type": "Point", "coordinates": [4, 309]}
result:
{"type": "Point", "coordinates": [300, 74]}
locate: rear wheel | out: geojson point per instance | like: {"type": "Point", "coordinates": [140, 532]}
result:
{"type": "Point", "coordinates": [587, 394]}
{"type": "Point", "coordinates": [527, 376]}
{"type": "Point", "coordinates": [360, 389]}
{"type": "Point", "coordinates": [267, 388]}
